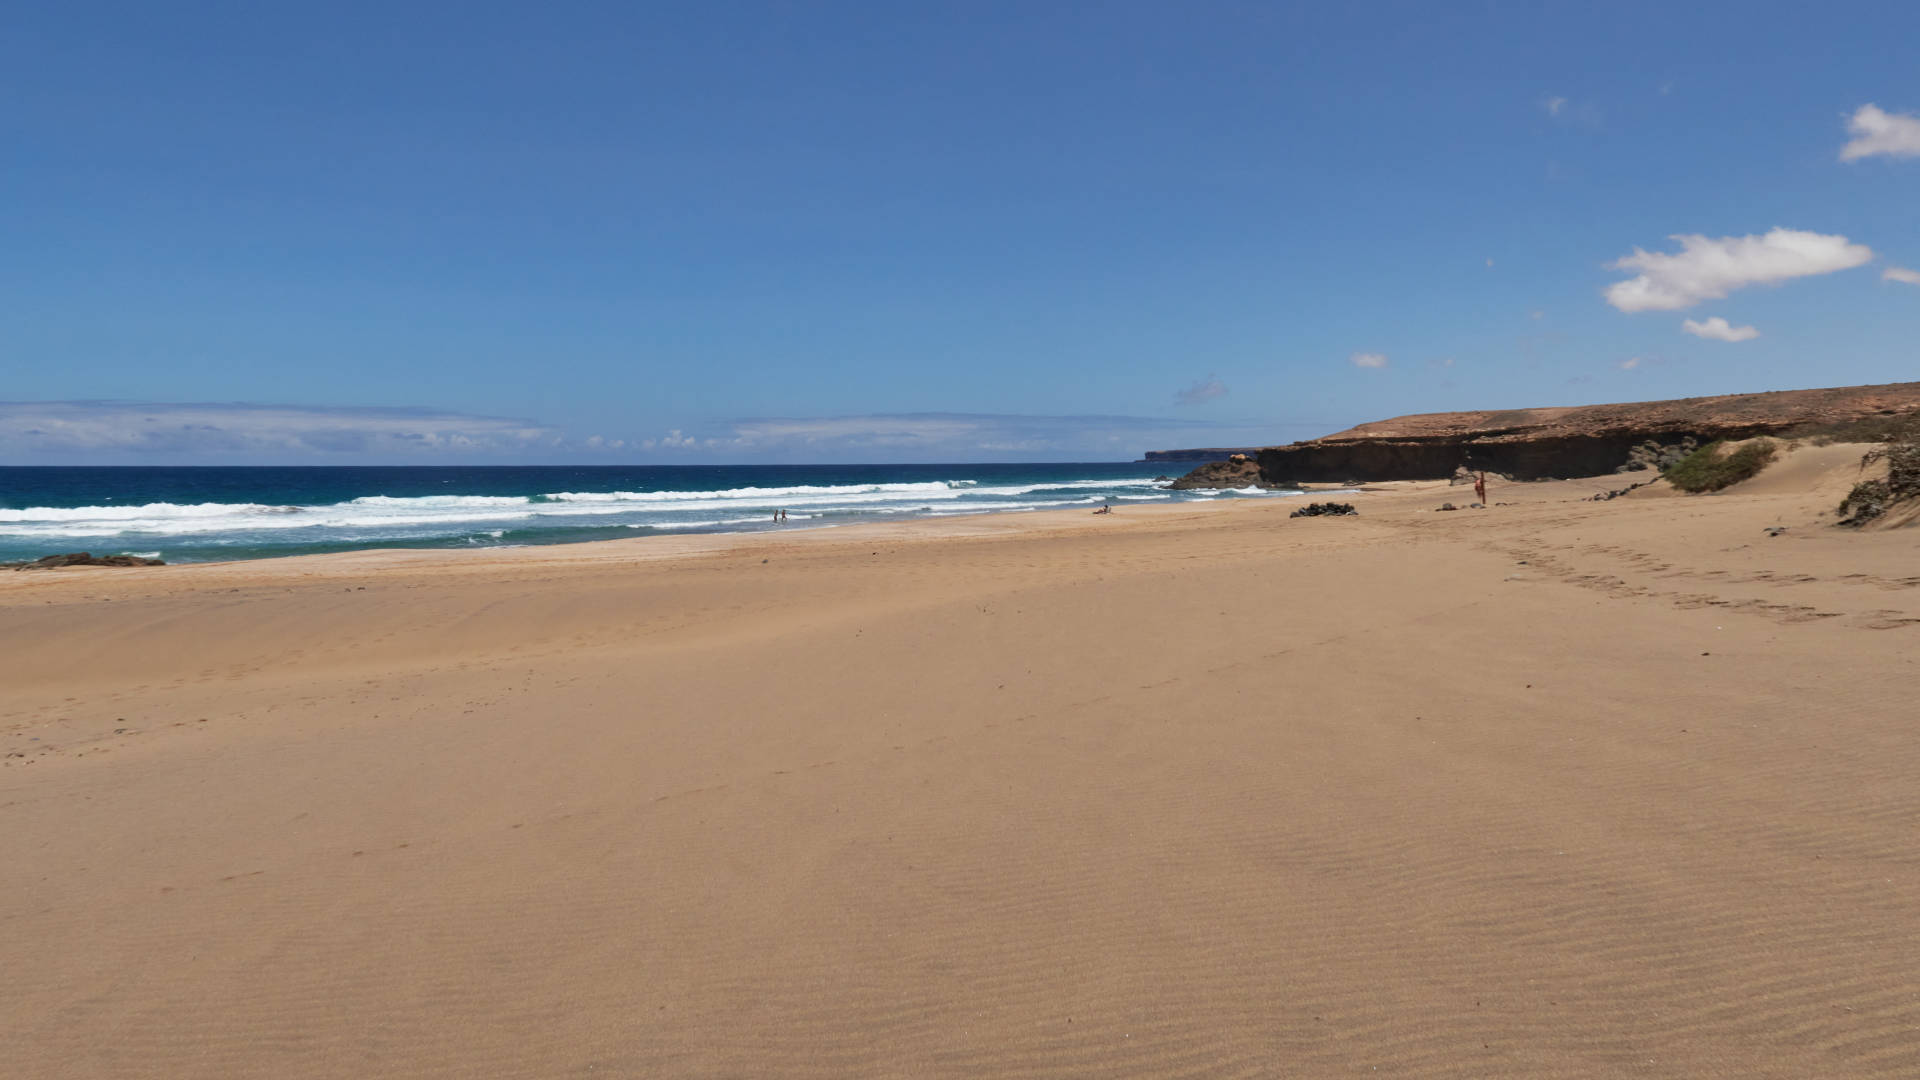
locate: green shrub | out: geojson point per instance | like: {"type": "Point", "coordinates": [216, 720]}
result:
{"type": "Point", "coordinates": [1710, 468]}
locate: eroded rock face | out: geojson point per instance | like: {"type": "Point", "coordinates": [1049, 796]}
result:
{"type": "Point", "coordinates": [1551, 443]}
{"type": "Point", "coordinates": [1238, 472]}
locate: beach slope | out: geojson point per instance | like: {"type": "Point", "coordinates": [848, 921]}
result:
{"type": "Point", "coordinates": [1558, 788]}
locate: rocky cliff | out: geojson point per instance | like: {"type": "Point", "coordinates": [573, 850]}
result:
{"type": "Point", "coordinates": [1238, 471]}
{"type": "Point", "coordinates": [1587, 440]}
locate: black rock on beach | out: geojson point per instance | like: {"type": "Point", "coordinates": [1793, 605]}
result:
{"type": "Point", "coordinates": [1325, 510]}
{"type": "Point", "coordinates": [81, 558]}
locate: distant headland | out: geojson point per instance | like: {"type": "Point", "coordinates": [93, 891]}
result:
{"type": "Point", "coordinates": [1201, 455]}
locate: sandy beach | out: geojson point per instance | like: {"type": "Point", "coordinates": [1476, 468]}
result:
{"type": "Point", "coordinates": [1553, 789]}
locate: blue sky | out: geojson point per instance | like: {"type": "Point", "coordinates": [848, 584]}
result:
{"type": "Point", "coordinates": [968, 231]}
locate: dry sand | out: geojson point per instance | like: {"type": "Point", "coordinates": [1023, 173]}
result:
{"type": "Point", "coordinates": [1556, 789]}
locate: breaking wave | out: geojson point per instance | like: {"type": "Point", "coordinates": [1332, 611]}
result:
{"type": "Point", "coordinates": [216, 529]}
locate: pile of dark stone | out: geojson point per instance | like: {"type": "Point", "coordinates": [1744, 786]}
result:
{"type": "Point", "coordinates": [81, 558]}
{"type": "Point", "coordinates": [1325, 510]}
{"type": "Point", "coordinates": [1607, 496]}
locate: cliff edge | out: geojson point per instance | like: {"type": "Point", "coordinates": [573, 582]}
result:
{"type": "Point", "coordinates": [1565, 441]}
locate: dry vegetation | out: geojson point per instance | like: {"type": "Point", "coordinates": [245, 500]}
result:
{"type": "Point", "coordinates": [1712, 467]}
{"type": "Point", "coordinates": [1871, 499]}
{"type": "Point", "coordinates": [1899, 446]}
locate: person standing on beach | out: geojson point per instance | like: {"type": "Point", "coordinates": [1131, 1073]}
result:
{"type": "Point", "coordinates": [1480, 486]}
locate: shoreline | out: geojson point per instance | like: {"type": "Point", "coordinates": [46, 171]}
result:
{"type": "Point", "coordinates": [1555, 787]}
{"type": "Point", "coordinates": [234, 517]}
{"type": "Point", "coordinates": [676, 544]}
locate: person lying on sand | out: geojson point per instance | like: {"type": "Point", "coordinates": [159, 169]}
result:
{"type": "Point", "coordinates": [1104, 510]}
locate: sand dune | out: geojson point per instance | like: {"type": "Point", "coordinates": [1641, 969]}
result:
{"type": "Point", "coordinates": [1559, 788]}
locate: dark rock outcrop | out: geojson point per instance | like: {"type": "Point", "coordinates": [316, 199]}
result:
{"type": "Point", "coordinates": [1553, 443]}
{"type": "Point", "coordinates": [1238, 471]}
{"type": "Point", "coordinates": [81, 558]}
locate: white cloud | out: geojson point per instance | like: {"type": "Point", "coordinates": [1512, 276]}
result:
{"type": "Point", "coordinates": [1630, 363]}
{"type": "Point", "coordinates": [1368, 360]}
{"type": "Point", "coordinates": [1900, 273]}
{"type": "Point", "coordinates": [1201, 392]}
{"type": "Point", "coordinates": [173, 432]}
{"type": "Point", "coordinates": [672, 440]}
{"type": "Point", "coordinates": [1876, 131]}
{"type": "Point", "coordinates": [1708, 269]}
{"type": "Point", "coordinates": [1718, 329]}
{"type": "Point", "coordinates": [899, 432]}
{"type": "Point", "coordinates": [1554, 105]}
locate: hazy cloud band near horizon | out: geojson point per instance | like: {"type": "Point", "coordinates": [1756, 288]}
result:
{"type": "Point", "coordinates": [168, 431]}
{"type": "Point", "coordinates": [175, 433]}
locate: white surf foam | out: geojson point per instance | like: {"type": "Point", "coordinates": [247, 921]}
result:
{"type": "Point", "coordinates": [373, 518]}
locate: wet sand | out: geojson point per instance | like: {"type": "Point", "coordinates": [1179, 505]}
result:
{"type": "Point", "coordinates": [1554, 789]}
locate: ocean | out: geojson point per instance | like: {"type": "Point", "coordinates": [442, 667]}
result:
{"type": "Point", "coordinates": [220, 513]}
